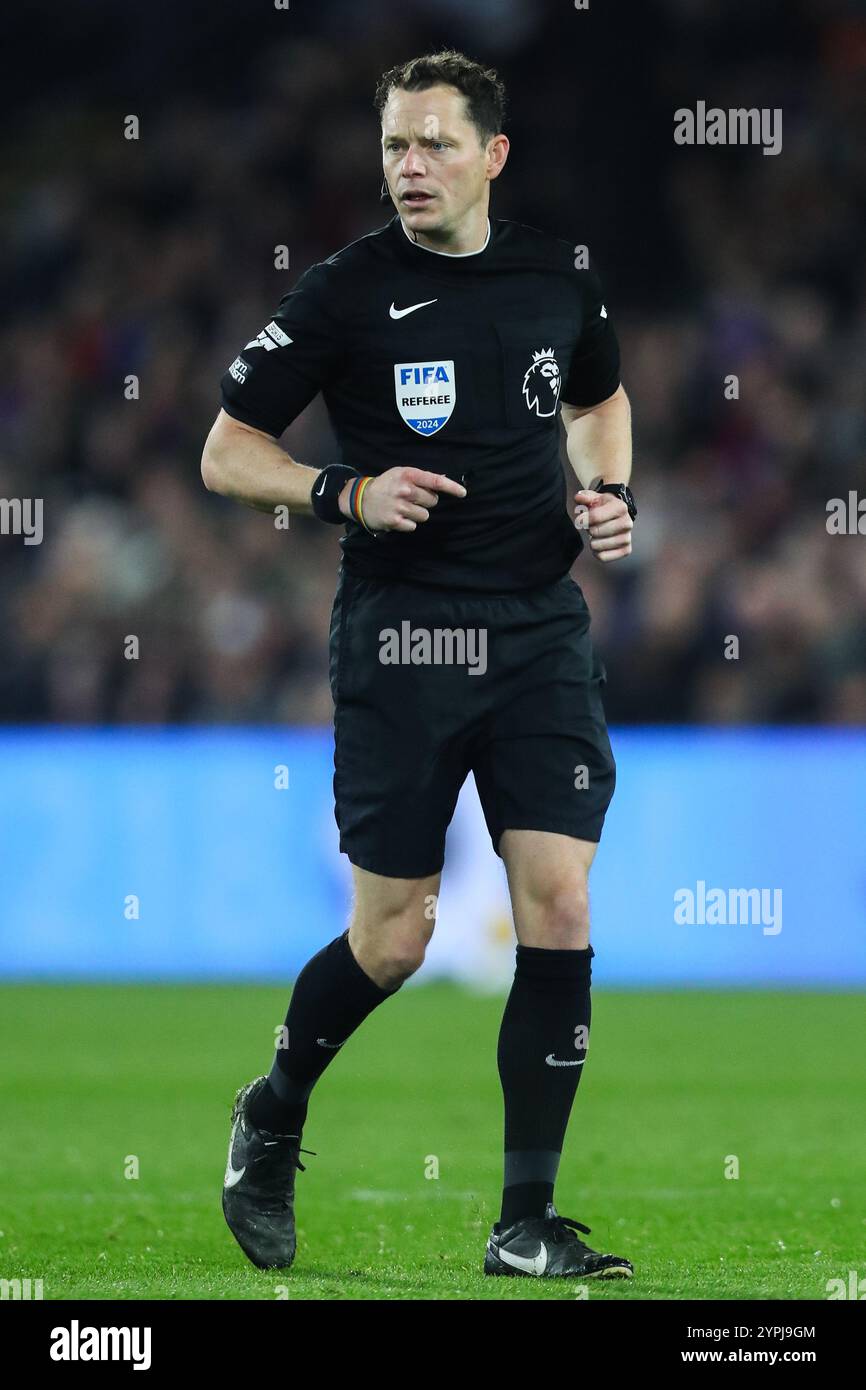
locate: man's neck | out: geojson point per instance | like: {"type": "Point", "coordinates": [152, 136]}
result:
{"type": "Point", "coordinates": [465, 243]}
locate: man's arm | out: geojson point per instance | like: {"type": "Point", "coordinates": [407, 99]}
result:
{"type": "Point", "coordinates": [598, 443]}
{"type": "Point", "coordinates": [598, 439]}
{"type": "Point", "coordinates": [249, 466]}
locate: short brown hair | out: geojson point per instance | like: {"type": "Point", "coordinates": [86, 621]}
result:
{"type": "Point", "coordinates": [482, 87]}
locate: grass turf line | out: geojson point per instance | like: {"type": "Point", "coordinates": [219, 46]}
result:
{"type": "Point", "coordinates": [676, 1082]}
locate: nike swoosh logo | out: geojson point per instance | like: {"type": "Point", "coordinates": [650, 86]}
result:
{"type": "Point", "coordinates": [322, 488]}
{"type": "Point", "coordinates": [233, 1175]}
{"type": "Point", "coordinates": [552, 1062]}
{"type": "Point", "coordinates": [401, 313]}
{"type": "Point", "coordinates": [537, 1265]}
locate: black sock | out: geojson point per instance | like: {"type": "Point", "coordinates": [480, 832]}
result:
{"type": "Point", "coordinates": [545, 1029]}
{"type": "Point", "coordinates": [331, 998]}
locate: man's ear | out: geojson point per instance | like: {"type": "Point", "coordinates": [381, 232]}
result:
{"type": "Point", "coordinates": [497, 154]}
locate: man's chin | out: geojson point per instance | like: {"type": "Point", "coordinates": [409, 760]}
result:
{"type": "Point", "coordinates": [428, 213]}
{"type": "Point", "coordinates": [427, 221]}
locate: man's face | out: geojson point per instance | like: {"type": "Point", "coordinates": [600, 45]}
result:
{"type": "Point", "coordinates": [435, 165]}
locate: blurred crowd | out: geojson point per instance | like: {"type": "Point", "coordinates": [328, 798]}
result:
{"type": "Point", "coordinates": [151, 261]}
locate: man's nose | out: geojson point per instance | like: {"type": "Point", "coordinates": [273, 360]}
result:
{"type": "Point", "coordinates": [414, 162]}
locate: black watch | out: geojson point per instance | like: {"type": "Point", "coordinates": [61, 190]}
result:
{"type": "Point", "coordinates": [623, 492]}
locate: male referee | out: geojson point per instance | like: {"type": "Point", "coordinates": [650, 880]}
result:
{"type": "Point", "coordinates": [445, 346]}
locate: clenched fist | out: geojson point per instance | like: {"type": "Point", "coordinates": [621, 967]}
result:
{"type": "Point", "coordinates": [607, 520]}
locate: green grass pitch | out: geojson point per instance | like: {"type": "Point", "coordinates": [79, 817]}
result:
{"type": "Point", "coordinates": [677, 1082]}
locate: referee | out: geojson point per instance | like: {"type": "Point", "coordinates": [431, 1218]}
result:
{"type": "Point", "coordinates": [445, 346]}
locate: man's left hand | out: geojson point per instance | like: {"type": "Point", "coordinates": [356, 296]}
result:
{"type": "Point", "coordinates": [607, 520]}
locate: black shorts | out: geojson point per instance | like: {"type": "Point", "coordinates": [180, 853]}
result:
{"type": "Point", "coordinates": [430, 684]}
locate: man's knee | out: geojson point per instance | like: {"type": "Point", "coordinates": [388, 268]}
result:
{"type": "Point", "coordinates": [557, 918]}
{"type": "Point", "coordinates": [390, 952]}
{"type": "Point", "coordinates": [389, 939]}
{"type": "Point", "coordinates": [548, 880]}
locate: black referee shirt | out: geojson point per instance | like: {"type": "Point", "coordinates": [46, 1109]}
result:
{"type": "Point", "coordinates": [456, 364]}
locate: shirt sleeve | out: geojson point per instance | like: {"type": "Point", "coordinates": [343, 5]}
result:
{"type": "Point", "coordinates": [277, 373]}
{"type": "Point", "coordinates": [594, 373]}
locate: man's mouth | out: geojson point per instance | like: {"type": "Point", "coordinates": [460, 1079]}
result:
{"type": "Point", "coordinates": [416, 198]}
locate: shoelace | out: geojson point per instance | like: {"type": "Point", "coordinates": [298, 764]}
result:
{"type": "Point", "coordinates": [564, 1228]}
{"type": "Point", "coordinates": [273, 1183]}
{"type": "Point", "coordinates": [289, 1152]}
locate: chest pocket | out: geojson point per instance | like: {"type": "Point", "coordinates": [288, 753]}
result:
{"type": "Point", "coordinates": [425, 381]}
{"type": "Point", "coordinates": [535, 354]}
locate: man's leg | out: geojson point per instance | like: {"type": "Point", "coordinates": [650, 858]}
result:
{"type": "Point", "coordinates": [545, 1028]}
{"type": "Point", "coordinates": [342, 984]}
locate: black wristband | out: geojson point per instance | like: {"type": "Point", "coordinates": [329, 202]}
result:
{"type": "Point", "coordinates": [325, 492]}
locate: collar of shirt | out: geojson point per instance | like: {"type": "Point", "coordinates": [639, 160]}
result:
{"type": "Point", "coordinates": [440, 262]}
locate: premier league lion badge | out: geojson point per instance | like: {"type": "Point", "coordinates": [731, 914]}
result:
{"type": "Point", "coordinates": [542, 382]}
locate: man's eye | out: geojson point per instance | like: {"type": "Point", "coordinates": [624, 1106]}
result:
{"type": "Point", "coordinates": [392, 146]}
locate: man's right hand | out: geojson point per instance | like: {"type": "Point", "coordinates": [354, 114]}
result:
{"type": "Point", "coordinates": [401, 499]}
